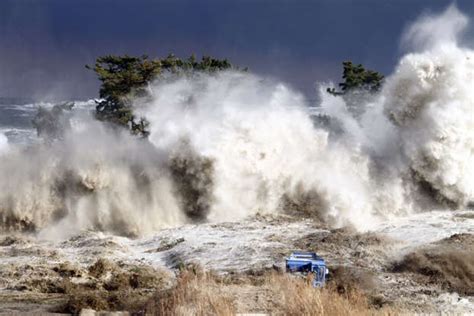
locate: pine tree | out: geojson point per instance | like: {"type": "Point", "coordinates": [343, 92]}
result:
{"type": "Point", "coordinates": [125, 78]}
{"type": "Point", "coordinates": [357, 77]}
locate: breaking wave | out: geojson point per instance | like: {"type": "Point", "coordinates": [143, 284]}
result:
{"type": "Point", "coordinates": [234, 144]}
{"type": "Point", "coordinates": [431, 101]}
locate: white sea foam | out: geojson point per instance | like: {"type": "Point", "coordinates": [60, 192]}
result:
{"type": "Point", "coordinates": [431, 99]}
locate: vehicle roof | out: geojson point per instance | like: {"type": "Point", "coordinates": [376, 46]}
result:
{"type": "Point", "coordinates": [306, 255]}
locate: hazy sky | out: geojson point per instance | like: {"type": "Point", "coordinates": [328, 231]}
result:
{"type": "Point", "coordinates": [44, 44]}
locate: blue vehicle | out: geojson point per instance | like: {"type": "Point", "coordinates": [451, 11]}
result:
{"type": "Point", "coordinates": [308, 262]}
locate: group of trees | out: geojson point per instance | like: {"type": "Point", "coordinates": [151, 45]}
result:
{"type": "Point", "coordinates": [125, 78]}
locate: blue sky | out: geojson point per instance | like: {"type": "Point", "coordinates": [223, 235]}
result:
{"type": "Point", "coordinates": [44, 44]}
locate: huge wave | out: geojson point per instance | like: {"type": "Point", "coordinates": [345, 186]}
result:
{"type": "Point", "coordinates": [233, 144]}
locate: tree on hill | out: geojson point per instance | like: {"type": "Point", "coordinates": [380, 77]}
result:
{"type": "Point", "coordinates": [125, 78]}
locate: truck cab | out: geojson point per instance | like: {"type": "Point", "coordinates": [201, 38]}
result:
{"type": "Point", "coordinates": [308, 262]}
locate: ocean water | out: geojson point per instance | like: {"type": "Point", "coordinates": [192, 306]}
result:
{"type": "Point", "coordinates": [15, 120]}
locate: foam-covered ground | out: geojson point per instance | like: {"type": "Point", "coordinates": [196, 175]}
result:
{"type": "Point", "coordinates": [237, 248]}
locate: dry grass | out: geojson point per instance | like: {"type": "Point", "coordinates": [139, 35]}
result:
{"type": "Point", "coordinates": [194, 294]}
{"type": "Point", "coordinates": [202, 293]}
{"type": "Point", "coordinates": [296, 296]}
{"type": "Point", "coordinates": [205, 294]}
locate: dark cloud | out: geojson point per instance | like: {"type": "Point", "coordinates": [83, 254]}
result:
{"type": "Point", "coordinates": [44, 44]}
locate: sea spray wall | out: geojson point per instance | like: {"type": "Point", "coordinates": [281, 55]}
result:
{"type": "Point", "coordinates": [92, 179]}
{"type": "Point", "coordinates": [264, 147]}
{"type": "Point", "coordinates": [221, 148]}
{"type": "Point", "coordinates": [431, 100]}
{"type": "Point", "coordinates": [230, 145]}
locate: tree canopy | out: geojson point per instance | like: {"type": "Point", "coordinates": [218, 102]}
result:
{"type": "Point", "coordinates": [356, 77]}
{"type": "Point", "coordinates": [125, 78]}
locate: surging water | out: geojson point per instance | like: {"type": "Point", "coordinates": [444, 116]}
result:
{"type": "Point", "coordinates": [229, 145]}
{"type": "Point", "coordinates": [263, 146]}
